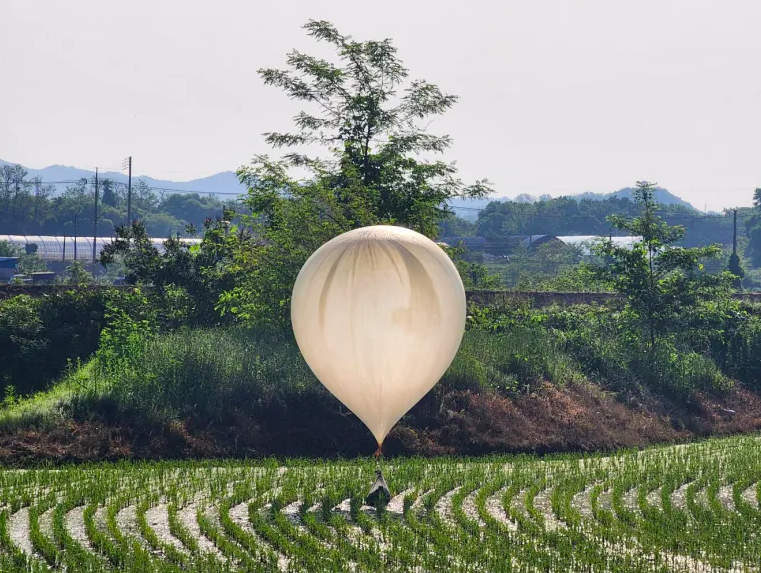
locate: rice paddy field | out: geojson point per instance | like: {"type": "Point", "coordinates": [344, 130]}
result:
{"type": "Point", "coordinates": [680, 508]}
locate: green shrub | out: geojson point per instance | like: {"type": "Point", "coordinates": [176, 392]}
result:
{"type": "Point", "coordinates": [740, 353]}
{"type": "Point", "coordinates": [472, 368]}
{"type": "Point", "coordinates": [606, 344]}
{"type": "Point", "coordinates": [40, 336]}
{"type": "Point", "coordinates": [208, 372]}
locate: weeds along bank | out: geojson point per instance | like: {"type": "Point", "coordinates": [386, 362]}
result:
{"type": "Point", "coordinates": [44, 336]}
{"type": "Point", "coordinates": [525, 379]}
{"type": "Point", "coordinates": [692, 508]}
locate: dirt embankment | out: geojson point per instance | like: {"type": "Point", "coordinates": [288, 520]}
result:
{"type": "Point", "coordinates": [576, 418]}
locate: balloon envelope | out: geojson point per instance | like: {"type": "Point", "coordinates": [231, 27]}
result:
{"type": "Point", "coordinates": [378, 314]}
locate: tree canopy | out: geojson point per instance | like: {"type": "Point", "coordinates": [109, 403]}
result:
{"type": "Point", "coordinates": [376, 163]}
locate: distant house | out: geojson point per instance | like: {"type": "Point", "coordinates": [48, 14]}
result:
{"type": "Point", "coordinates": [8, 267]}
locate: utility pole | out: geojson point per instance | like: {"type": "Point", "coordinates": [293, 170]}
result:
{"type": "Point", "coordinates": [129, 191]}
{"type": "Point", "coordinates": [75, 236]}
{"type": "Point", "coordinates": [36, 196]}
{"type": "Point", "coordinates": [95, 226]}
{"type": "Point", "coordinates": [734, 235]}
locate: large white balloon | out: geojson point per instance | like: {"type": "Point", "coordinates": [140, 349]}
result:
{"type": "Point", "coordinates": [378, 314]}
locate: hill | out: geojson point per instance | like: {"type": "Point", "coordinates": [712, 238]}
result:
{"type": "Point", "coordinates": [468, 209]}
{"type": "Point", "coordinates": [227, 182]}
{"type": "Point", "coordinates": [224, 182]}
{"type": "Point", "coordinates": [663, 196]}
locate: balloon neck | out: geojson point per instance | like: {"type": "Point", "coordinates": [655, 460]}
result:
{"type": "Point", "coordinates": [378, 452]}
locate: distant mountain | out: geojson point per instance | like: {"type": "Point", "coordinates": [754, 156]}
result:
{"type": "Point", "coordinates": [227, 182]}
{"type": "Point", "coordinates": [468, 208]}
{"type": "Point", "coordinates": [663, 196]}
{"type": "Point", "coordinates": [224, 182]}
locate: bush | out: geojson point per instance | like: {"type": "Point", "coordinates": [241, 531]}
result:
{"type": "Point", "coordinates": [606, 345]}
{"type": "Point", "coordinates": [740, 355]}
{"type": "Point", "coordinates": [206, 373]}
{"type": "Point", "coordinates": [40, 336]}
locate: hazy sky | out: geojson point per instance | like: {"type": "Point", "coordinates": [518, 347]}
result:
{"type": "Point", "coordinates": [557, 96]}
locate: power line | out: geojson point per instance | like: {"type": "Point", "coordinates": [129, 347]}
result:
{"type": "Point", "coordinates": [117, 168]}
{"type": "Point", "coordinates": [686, 217]}
{"type": "Point", "coordinates": [664, 214]}
{"type": "Point", "coordinates": [153, 188]}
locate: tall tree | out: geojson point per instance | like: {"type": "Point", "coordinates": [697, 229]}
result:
{"type": "Point", "coordinates": [369, 119]}
{"type": "Point", "coordinates": [757, 198]}
{"type": "Point", "coordinates": [663, 283]}
{"type": "Point", "coordinates": [109, 195]}
{"type": "Point", "coordinates": [12, 184]}
{"type": "Point", "coordinates": [753, 230]}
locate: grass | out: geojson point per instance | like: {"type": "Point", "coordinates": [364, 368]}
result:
{"type": "Point", "coordinates": [202, 373]}
{"type": "Point", "coordinates": [678, 508]}
{"type": "Point", "coordinates": [44, 408]}
{"type": "Point", "coordinates": [518, 383]}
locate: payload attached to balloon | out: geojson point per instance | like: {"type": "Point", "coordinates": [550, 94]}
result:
{"type": "Point", "coordinates": [378, 314]}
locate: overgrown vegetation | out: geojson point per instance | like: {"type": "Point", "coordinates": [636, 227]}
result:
{"type": "Point", "coordinates": [40, 337]}
{"type": "Point", "coordinates": [204, 341]}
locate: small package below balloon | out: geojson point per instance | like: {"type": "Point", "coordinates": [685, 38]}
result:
{"type": "Point", "coordinates": [379, 492]}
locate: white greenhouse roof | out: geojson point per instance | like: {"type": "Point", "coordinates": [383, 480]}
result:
{"type": "Point", "coordinates": [50, 248]}
{"type": "Point", "coordinates": [585, 242]}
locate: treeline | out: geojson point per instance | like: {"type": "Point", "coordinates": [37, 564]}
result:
{"type": "Point", "coordinates": [570, 216]}
{"type": "Point", "coordinates": [30, 207]}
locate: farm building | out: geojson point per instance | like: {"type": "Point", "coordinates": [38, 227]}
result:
{"type": "Point", "coordinates": [7, 268]}
{"type": "Point", "coordinates": [506, 244]}
{"type": "Point", "coordinates": [470, 243]}
{"type": "Point", "coordinates": [50, 248]}
{"type": "Point", "coordinates": [533, 241]}
{"type": "Point", "coordinates": [530, 242]}
{"type": "Point", "coordinates": [586, 242]}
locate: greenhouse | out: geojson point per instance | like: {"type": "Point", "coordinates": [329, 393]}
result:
{"type": "Point", "coordinates": [586, 242]}
{"type": "Point", "coordinates": [50, 248]}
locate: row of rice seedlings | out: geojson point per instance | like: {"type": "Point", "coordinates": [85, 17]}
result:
{"type": "Point", "coordinates": [658, 528]}
{"type": "Point", "coordinates": [44, 547]}
{"type": "Point", "coordinates": [551, 535]}
{"type": "Point", "coordinates": [12, 558]}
